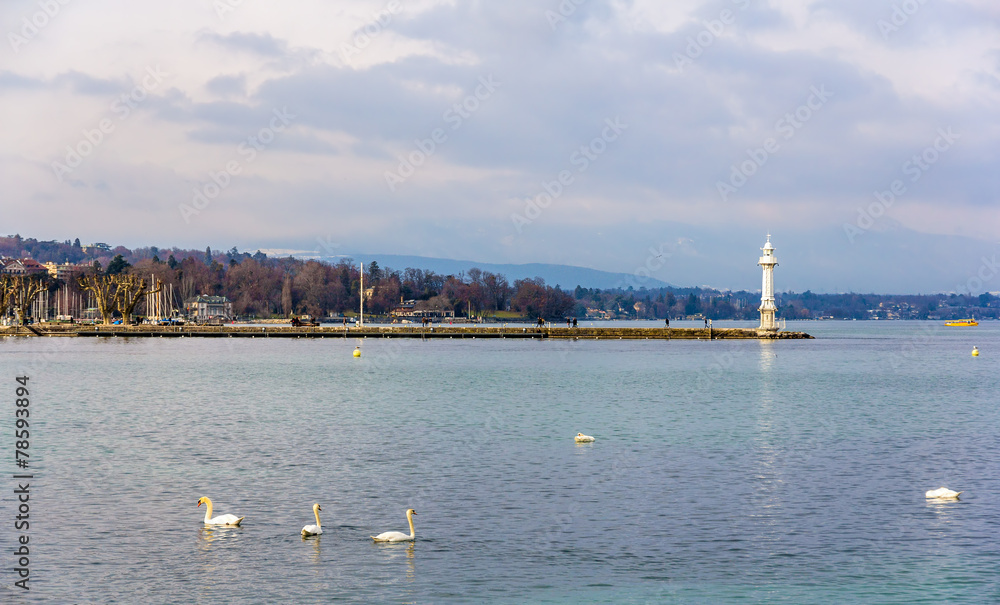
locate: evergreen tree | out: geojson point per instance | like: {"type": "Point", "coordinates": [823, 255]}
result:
{"type": "Point", "coordinates": [691, 306]}
{"type": "Point", "coordinates": [117, 265]}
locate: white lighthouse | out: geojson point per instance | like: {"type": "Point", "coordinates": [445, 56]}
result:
{"type": "Point", "coordinates": [767, 308]}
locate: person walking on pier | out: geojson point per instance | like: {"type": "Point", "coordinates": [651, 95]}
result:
{"type": "Point", "coordinates": [668, 322]}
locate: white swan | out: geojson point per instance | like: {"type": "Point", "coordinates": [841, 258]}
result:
{"type": "Point", "coordinates": [221, 519]}
{"type": "Point", "coordinates": [943, 492]}
{"type": "Point", "coordinates": [581, 438]}
{"type": "Point", "coordinates": [313, 530]}
{"type": "Point", "coordinates": [398, 536]}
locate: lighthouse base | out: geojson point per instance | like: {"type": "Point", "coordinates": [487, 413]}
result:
{"type": "Point", "coordinates": [767, 321]}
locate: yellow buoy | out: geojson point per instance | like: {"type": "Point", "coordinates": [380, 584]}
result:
{"type": "Point", "coordinates": [357, 351]}
{"type": "Point", "coordinates": [975, 351]}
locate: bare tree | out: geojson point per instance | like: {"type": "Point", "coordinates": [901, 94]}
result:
{"type": "Point", "coordinates": [286, 296]}
{"type": "Point", "coordinates": [22, 291]}
{"type": "Point", "coordinates": [104, 291]}
{"type": "Point", "coordinates": [5, 293]}
{"type": "Point", "coordinates": [129, 290]}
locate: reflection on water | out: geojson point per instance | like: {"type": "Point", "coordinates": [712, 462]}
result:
{"type": "Point", "coordinates": [315, 541]}
{"type": "Point", "coordinates": [214, 536]}
{"type": "Point", "coordinates": [211, 540]}
{"type": "Point", "coordinates": [768, 443]}
{"type": "Point", "coordinates": [944, 509]}
{"type": "Point", "coordinates": [767, 355]}
{"type": "Point", "coordinates": [395, 553]}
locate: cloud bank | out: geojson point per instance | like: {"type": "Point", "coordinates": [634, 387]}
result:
{"type": "Point", "coordinates": [579, 132]}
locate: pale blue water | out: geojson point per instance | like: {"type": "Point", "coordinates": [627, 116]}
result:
{"type": "Point", "coordinates": [723, 472]}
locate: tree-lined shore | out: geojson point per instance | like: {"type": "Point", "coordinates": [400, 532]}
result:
{"type": "Point", "coordinates": [264, 287]}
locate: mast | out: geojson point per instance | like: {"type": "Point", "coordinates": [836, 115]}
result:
{"type": "Point", "coordinates": [362, 324]}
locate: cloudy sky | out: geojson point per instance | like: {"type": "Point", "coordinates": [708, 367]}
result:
{"type": "Point", "coordinates": [650, 137]}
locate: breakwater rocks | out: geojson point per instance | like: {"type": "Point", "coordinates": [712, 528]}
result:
{"type": "Point", "coordinates": [381, 331]}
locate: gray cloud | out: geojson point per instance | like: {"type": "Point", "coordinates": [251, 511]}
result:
{"type": "Point", "coordinates": [261, 44]}
{"type": "Point", "coordinates": [11, 81]}
{"type": "Point", "coordinates": [227, 85]}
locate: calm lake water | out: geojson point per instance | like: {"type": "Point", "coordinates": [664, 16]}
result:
{"type": "Point", "coordinates": [723, 472]}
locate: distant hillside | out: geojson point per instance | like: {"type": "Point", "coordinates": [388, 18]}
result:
{"type": "Point", "coordinates": [565, 276]}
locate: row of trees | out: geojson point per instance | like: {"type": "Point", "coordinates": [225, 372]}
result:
{"type": "Point", "coordinates": [268, 287]}
{"type": "Point", "coordinates": [259, 286]}
{"type": "Point", "coordinates": [115, 295]}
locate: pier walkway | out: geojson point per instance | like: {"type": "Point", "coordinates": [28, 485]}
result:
{"type": "Point", "coordinates": [382, 331]}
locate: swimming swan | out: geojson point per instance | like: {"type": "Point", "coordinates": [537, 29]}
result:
{"type": "Point", "coordinates": [943, 492]}
{"type": "Point", "coordinates": [581, 438]}
{"type": "Point", "coordinates": [221, 519]}
{"type": "Point", "coordinates": [313, 530]}
{"type": "Point", "coordinates": [398, 536]}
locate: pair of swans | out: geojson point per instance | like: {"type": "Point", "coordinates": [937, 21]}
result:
{"type": "Point", "coordinates": [389, 536]}
{"type": "Point", "coordinates": [233, 520]}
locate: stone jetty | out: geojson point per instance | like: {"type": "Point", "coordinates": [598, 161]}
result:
{"type": "Point", "coordinates": [396, 331]}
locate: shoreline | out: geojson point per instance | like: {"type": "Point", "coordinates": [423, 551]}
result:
{"type": "Point", "coordinates": [436, 331]}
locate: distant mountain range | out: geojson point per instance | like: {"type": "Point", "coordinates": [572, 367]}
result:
{"type": "Point", "coordinates": [567, 277]}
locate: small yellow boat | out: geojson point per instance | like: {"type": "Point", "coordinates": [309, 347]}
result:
{"type": "Point", "coordinates": [962, 322]}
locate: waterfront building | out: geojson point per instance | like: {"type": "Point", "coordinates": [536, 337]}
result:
{"type": "Point", "coordinates": [421, 309]}
{"type": "Point", "coordinates": [204, 308]}
{"type": "Point", "coordinates": [405, 308]}
{"type": "Point", "coordinates": [767, 307]}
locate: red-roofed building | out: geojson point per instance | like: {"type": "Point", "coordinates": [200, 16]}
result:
{"type": "Point", "coordinates": [23, 266]}
{"type": "Point", "coordinates": [33, 267]}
